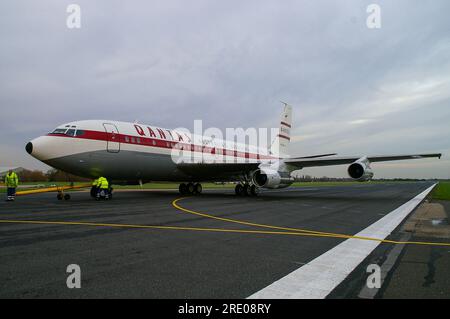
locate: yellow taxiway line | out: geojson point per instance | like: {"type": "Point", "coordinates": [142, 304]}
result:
{"type": "Point", "coordinates": [284, 231]}
{"type": "Point", "coordinates": [305, 232]}
{"type": "Point", "coordinates": [223, 230]}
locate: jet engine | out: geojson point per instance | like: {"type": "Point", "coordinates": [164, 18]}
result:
{"type": "Point", "coordinates": [268, 178]}
{"type": "Point", "coordinates": [360, 170]}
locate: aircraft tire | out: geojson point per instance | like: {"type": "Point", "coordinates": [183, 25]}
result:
{"type": "Point", "coordinates": [198, 188]}
{"type": "Point", "coordinates": [254, 190]}
{"type": "Point", "coordinates": [239, 189]}
{"type": "Point", "coordinates": [183, 189]}
{"type": "Point", "coordinates": [247, 190]}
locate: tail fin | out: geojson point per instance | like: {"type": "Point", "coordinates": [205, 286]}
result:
{"type": "Point", "coordinates": [280, 145]}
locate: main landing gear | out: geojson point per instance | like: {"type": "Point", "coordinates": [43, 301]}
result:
{"type": "Point", "coordinates": [246, 190]}
{"type": "Point", "coordinates": [242, 189]}
{"type": "Point", "coordinates": [190, 189]}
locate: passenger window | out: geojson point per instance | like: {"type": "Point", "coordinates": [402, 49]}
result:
{"type": "Point", "coordinates": [138, 140]}
{"type": "Point", "coordinates": [127, 139]}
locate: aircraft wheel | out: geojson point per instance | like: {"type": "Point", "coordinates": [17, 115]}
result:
{"type": "Point", "coordinates": [183, 189]}
{"type": "Point", "coordinates": [254, 190]}
{"type": "Point", "coordinates": [59, 196]}
{"type": "Point", "coordinates": [190, 188]}
{"type": "Point", "coordinates": [66, 197]}
{"type": "Point", "coordinates": [198, 188]}
{"type": "Point", "coordinates": [239, 189]}
{"type": "Point", "coordinates": [247, 190]}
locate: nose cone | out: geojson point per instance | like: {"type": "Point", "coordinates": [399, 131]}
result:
{"type": "Point", "coordinates": [42, 148]}
{"type": "Point", "coordinates": [29, 147]}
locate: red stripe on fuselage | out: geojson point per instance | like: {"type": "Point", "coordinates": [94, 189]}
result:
{"type": "Point", "coordinates": [285, 124]}
{"type": "Point", "coordinates": [167, 144]}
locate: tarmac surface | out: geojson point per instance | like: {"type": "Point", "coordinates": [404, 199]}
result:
{"type": "Point", "coordinates": [186, 255]}
{"type": "Point", "coordinates": [423, 272]}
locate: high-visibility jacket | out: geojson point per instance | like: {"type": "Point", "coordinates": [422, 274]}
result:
{"type": "Point", "coordinates": [11, 180]}
{"type": "Point", "coordinates": [99, 181]}
{"type": "Point", "coordinates": [95, 182]}
{"type": "Point", "coordinates": [103, 183]}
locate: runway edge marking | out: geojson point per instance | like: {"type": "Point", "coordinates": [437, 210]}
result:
{"type": "Point", "coordinates": [318, 278]}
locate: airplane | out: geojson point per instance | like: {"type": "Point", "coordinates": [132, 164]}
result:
{"type": "Point", "coordinates": [133, 153]}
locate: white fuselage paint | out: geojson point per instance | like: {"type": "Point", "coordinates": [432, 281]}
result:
{"type": "Point", "coordinates": [138, 151]}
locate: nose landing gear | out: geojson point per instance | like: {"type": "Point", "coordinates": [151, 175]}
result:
{"type": "Point", "coordinates": [61, 196]}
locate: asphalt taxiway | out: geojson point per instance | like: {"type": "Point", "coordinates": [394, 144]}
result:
{"type": "Point", "coordinates": [148, 244]}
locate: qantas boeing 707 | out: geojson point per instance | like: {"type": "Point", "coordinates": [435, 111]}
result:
{"type": "Point", "coordinates": [135, 153]}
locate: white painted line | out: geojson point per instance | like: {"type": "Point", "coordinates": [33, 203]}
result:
{"type": "Point", "coordinates": [389, 263]}
{"type": "Point", "coordinates": [318, 278]}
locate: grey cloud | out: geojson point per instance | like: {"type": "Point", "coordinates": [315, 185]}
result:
{"type": "Point", "coordinates": [229, 63]}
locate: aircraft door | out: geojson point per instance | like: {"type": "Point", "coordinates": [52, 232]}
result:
{"type": "Point", "coordinates": [113, 142]}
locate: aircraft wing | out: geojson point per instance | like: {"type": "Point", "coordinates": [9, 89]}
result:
{"type": "Point", "coordinates": [312, 162]}
{"type": "Point", "coordinates": [231, 170]}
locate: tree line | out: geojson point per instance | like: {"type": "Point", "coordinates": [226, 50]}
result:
{"type": "Point", "coordinates": [52, 175]}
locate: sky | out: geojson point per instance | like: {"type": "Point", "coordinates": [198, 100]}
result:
{"type": "Point", "coordinates": [355, 90]}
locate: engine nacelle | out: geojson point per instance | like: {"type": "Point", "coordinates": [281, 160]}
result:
{"type": "Point", "coordinates": [360, 170]}
{"type": "Point", "coordinates": [267, 178]}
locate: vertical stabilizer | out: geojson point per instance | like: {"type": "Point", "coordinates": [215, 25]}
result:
{"type": "Point", "coordinates": [280, 145]}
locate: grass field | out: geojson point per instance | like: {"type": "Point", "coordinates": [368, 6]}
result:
{"type": "Point", "coordinates": [442, 191]}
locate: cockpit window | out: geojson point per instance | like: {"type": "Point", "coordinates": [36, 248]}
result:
{"type": "Point", "coordinates": [60, 131]}
{"type": "Point", "coordinates": [69, 131]}
{"type": "Point", "coordinates": [79, 133]}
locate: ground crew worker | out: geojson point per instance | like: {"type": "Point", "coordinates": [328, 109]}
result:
{"type": "Point", "coordinates": [94, 188]}
{"type": "Point", "coordinates": [103, 186]}
{"type": "Point", "coordinates": [99, 181]}
{"type": "Point", "coordinates": [11, 181]}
